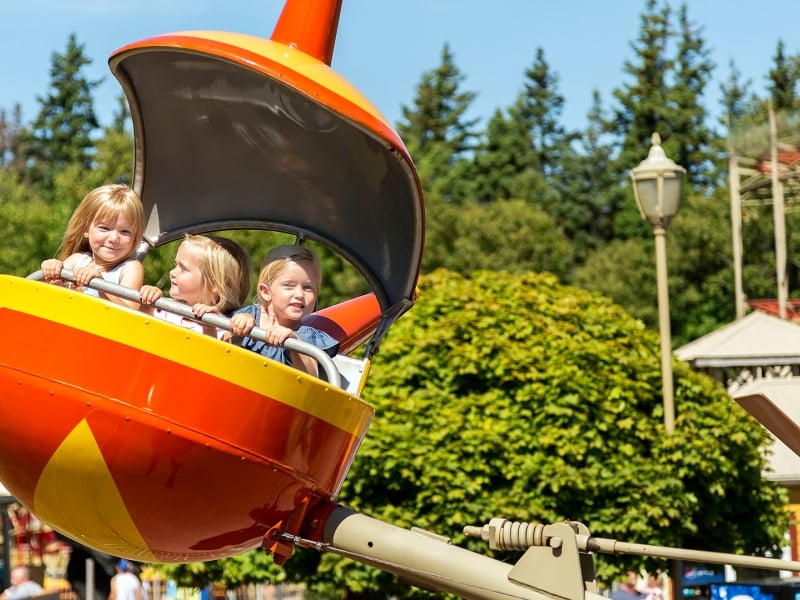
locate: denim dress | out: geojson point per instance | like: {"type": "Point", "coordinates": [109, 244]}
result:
{"type": "Point", "coordinates": [313, 336]}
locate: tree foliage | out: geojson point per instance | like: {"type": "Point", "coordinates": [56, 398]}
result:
{"type": "Point", "coordinates": [517, 397]}
{"type": "Point", "coordinates": [29, 226]}
{"type": "Point", "coordinates": [62, 132]}
{"type": "Point", "coordinates": [436, 130]}
{"type": "Point", "coordinates": [510, 235]}
{"type": "Point", "coordinates": [504, 393]}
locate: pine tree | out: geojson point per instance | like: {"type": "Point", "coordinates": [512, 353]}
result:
{"type": "Point", "coordinates": [665, 97]}
{"type": "Point", "coordinates": [114, 151]}
{"type": "Point", "coordinates": [593, 192]}
{"type": "Point", "coordinates": [737, 98]}
{"type": "Point", "coordinates": [694, 145]}
{"type": "Point", "coordinates": [525, 154]}
{"type": "Point", "coordinates": [537, 113]}
{"type": "Point", "coordinates": [436, 131]}
{"type": "Point", "coordinates": [61, 134]}
{"type": "Point", "coordinates": [538, 109]}
{"type": "Point", "coordinates": [783, 79]}
{"type": "Point", "coordinates": [503, 154]}
{"type": "Point", "coordinates": [10, 129]}
{"type": "Point", "coordinates": [643, 104]}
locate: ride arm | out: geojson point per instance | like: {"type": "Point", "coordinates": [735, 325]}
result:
{"type": "Point", "coordinates": [331, 372]}
{"type": "Point", "coordinates": [512, 535]}
{"type": "Point", "coordinates": [429, 561]}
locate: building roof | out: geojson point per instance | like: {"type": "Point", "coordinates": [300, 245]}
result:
{"type": "Point", "coordinates": [754, 340]}
{"type": "Point", "coordinates": [775, 404]}
{"type": "Point", "coordinates": [773, 307]}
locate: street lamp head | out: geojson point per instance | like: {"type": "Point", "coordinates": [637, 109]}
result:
{"type": "Point", "coordinates": [657, 183]}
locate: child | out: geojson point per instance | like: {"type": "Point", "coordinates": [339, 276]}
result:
{"type": "Point", "coordinates": [211, 275]}
{"type": "Point", "coordinates": [101, 236]}
{"type": "Point", "coordinates": [287, 291]}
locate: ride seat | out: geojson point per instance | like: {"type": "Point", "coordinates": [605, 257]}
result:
{"type": "Point", "coordinates": [353, 372]}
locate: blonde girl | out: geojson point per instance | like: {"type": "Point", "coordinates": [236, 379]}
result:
{"type": "Point", "coordinates": [101, 237]}
{"type": "Point", "coordinates": [287, 291]}
{"type": "Point", "coordinates": [211, 275]}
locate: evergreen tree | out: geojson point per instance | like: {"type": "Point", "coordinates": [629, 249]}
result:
{"type": "Point", "coordinates": [436, 131]}
{"type": "Point", "coordinates": [782, 80]}
{"type": "Point", "coordinates": [665, 97]}
{"type": "Point", "coordinates": [10, 129]}
{"type": "Point", "coordinates": [593, 191]}
{"type": "Point", "coordinates": [737, 100]}
{"type": "Point", "coordinates": [695, 146]}
{"type": "Point", "coordinates": [62, 132]}
{"type": "Point", "coordinates": [503, 153]}
{"type": "Point", "coordinates": [643, 103]}
{"type": "Point", "coordinates": [642, 108]}
{"type": "Point", "coordinates": [114, 156]}
{"type": "Point", "coordinates": [536, 114]}
{"type": "Point", "coordinates": [537, 111]}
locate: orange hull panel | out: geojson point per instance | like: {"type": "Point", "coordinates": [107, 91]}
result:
{"type": "Point", "coordinates": [148, 441]}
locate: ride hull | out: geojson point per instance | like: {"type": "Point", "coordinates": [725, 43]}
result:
{"type": "Point", "coordinates": [155, 443]}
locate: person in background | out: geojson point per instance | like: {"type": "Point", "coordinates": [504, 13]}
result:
{"type": "Point", "coordinates": [125, 585]}
{"type": "Point", "coordinates": [287, 291]}
{"type": "Point", "coordinates": [626, 590]}
{"type": "Point", "coordinates": [101, 237]}
{"type": "Point", "coordinates": [211, 275]}
{"type": "Point", "coordinates": [22, 586]}
{"type": "Point", "coordinates": [654, 588]}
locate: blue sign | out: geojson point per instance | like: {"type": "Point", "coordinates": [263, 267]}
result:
{"type": "Point", "coordinates": [702, 574]}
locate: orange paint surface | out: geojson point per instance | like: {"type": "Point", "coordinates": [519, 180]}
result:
{"type": "Point", "coordinates": [203, 466]}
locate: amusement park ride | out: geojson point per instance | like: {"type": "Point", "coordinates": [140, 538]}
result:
{"type": "Point", "coordinates": [234, 132]}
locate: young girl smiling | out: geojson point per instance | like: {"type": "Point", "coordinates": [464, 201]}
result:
{"type": "Point", "coordinates": [100, 239]}
{"type": "Point", "coordinates": [287, 291]}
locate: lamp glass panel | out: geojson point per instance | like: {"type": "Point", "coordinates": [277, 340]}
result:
{"type": "Point", "coordinates": [647, 195]}
{"type": "Point", "coordinates": [672, 195]}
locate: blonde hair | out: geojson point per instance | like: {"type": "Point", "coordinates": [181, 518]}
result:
{"type": "Point", "coordinates": [225, 268]}
{"type": "Point", "coordinates": [104, 203]}
{"type": "Point", "coordinates": [279, 258]}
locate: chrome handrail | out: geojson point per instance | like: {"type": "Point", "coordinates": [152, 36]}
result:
{"type": "Point", "coordinates": [184, 310]}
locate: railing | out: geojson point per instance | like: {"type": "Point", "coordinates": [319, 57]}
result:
{"type": "Point", "coordinates": [184, 310]}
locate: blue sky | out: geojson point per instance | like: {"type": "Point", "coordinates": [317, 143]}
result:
{"type": "Point", "coordinates": [384, 46]}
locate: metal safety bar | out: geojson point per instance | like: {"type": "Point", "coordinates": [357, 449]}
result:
{"type": "Point", "coordinates": [184, 310]}
{"type": "Point", "coordinates": [502, 534]}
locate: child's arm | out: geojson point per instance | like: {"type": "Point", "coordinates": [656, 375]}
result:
{"type": "Point", "coordinates": [305, 363]}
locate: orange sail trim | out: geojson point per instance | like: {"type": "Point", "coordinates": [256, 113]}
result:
{"type": "Point", "coordinates": [311, 27]}
{"type": "Point", "coordinates": [283, 63]}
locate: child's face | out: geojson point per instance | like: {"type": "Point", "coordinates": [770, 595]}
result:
{"type": "Point", "coordinates": [111, 241]}
{"type": "Point", "coordinates": [186, 281]}
{"type": "Point", "coordinates": [292, 294]}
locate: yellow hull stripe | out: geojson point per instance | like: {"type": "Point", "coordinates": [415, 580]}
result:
{"type": "Point", "coordinates": [201, 352]}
